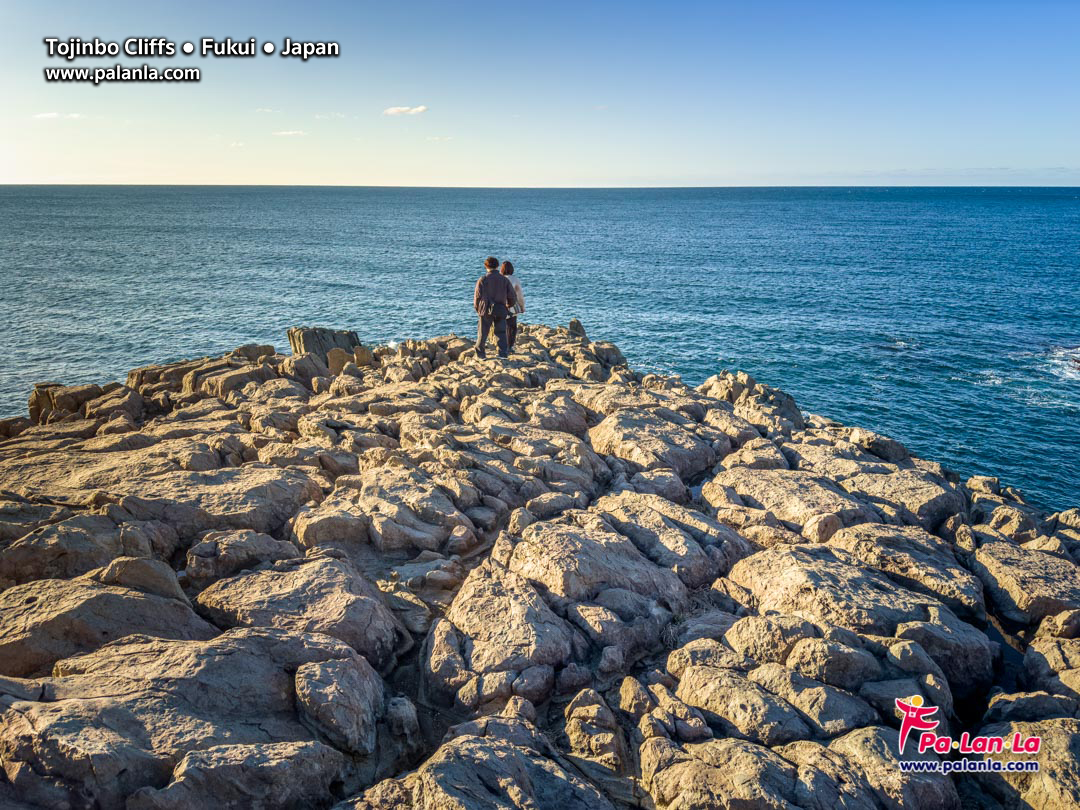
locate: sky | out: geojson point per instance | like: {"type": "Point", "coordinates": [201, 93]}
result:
{"type": "Point", "coordinates": [586, 93]}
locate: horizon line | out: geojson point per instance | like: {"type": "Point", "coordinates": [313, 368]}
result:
{"type": "Point", "coordinates": [542, 188]}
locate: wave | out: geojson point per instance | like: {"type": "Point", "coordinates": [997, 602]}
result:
{"type": "Point", "coordinates": [1064, 362]}
{"type": "Point", "coordinates": [895, 344]}
{"type": "Point", "coordinates": [990, 377]}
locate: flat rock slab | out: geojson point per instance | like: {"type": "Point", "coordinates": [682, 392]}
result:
{"type": "Point", "coordinates": [696, 547]}
{"type": "Point", "coordinates": [793, 496]}
{"type": "Point", "coordinates": [920, 498]}
{"type": "Point", "coordinates": [255, 496]}
{"type": "Point", "coordinates": [19, 518]}
{"type": "Point", "coordinates": [181, 472]}
{"type": "Point", "coordinates": [280, 774]}
{"type": "Point", "coordinates": [916, 559]}
{"type": "Point", "coordinates": [828, 585]}
{"type": "Point", "coordinates": [649, 441]}
{"type": "Point", "coordinates": [1025, 585]}
{"type": "Point", "coordinates": [576, 563]}
{"type": "Point", "coordinates": [43, 622]}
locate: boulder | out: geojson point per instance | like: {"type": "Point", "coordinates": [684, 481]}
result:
{"type": "Point", "coordinates": [69, 548]}
{"type": "Point", "coordinates": [1057, 781]}
{"type": "Point", "coordinates": [141, 574]}
{"type": "Point", "coordinates": [1053, 664]}
{"type": "Point", "coordinates": [712, 623]}
{"type": "Point", "coordinates": [393, 509]}
{"type": "Point", "coordinates": [593, 733]}
{"type": "Point", "coordinates": [706, 652]}
{"type": "Point", "coordinates": [506, 766]}
{"type": "Point", "coordinates": [319, 341]}
{"type": "Point", "coordinates": [122, 717]}
{"type": "Point", "coordinates": [827, 585]}
{"type": "Point", "coordinates": [341, 700]}
{"type": "Point", "coordinates": [881, 446]}
{"type": "Point", "coordinates": [504, 626]}
{"type": "Point", "coordinates": [736, 707]}
{"type": "Point", "coordinates": [828, 711]}
{"type": "Point", "coordinates": [696, 547]}
{"type": "Point", "coordinates": [833, 663]}
{"type": "Point", "coordinates": [576, 563]}
{"type": "Point", "coordinates": [665, 483]}
{"type": "Point", "coordinates": [833, 461]}
{"type": "Point", "coordinates": [766, 639]}
{"type": "Point", "coordinates": [830, 585]}
{"type": "Point", "coordinates": [875, 752]}
{"type": "Point", "coordinates": [825, 780]}
{"type": "Point", "coordinates": [757, 454]}
{"type": "Point", "coordinates": [222, 554]}
{"type": "Point", "coordinates": [313, 595]}
{"type": "Point", "coordinates": [123, 401]}
{"type": "Point", "coordinates": [726, 773]}
{"type": "Point", "coordinates": [1029, 706]}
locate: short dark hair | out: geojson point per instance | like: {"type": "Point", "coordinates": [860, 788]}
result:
{"type": "Point", "coordinates": [491, 262]}
{"type": "Point", "coordinates": [507, 269]}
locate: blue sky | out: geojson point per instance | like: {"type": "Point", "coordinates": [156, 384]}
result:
{"type": "Point", "coordinates": [558, 94]}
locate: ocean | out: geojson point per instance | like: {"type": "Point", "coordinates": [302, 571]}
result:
{"type": "Point", "coordinates": [946, 318]}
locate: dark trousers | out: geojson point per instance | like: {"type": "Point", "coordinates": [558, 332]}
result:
{"type": "Point", "coordinates": [498, 321]}
{"type": "Point", "coordinates": [511, 330]}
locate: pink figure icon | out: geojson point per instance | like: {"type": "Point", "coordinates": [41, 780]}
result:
{"type": "Point", "coordinates": [915, 716]}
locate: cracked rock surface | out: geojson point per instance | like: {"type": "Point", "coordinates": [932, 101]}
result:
{"type": "Point", "coordinates": [370, 578]}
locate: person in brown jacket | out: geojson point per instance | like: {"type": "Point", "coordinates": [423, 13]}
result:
{"type": "Point", "coordinates": [493, 300]}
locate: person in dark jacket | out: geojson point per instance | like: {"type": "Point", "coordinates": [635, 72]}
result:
{"type": "Point", "coordinates": [493, 300]}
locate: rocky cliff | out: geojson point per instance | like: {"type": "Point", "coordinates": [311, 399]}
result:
{"type": "Point", "coordinates": [399, 578]}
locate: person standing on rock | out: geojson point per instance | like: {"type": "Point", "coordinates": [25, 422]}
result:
{"type": "Point", "coordinates": [493, 301]}
{"type": "Point", "coordinates": [507, 270]}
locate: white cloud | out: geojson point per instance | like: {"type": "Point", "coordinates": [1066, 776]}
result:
{"type": "Point", "coordinates": [52, 116]}
{"type": "Point", "coordinates": [287, 133]}
{"type": "Point", "coordinates": [329, 116]}
{"type": "Point", "coordinates": [405, 110]}
{"type": "Point", "coordinates": [237, 145]}
{"type": "Point", "coordinates": [440, 138]}
{"type": "Point", "coordinates": [266, 110]}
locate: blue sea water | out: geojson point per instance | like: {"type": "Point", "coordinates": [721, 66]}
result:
{"type": "Point", "coordinates": [947, 318]}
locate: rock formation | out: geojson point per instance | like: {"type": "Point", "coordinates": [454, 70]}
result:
{"type": "Point", "coordinates": [410, 578]}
